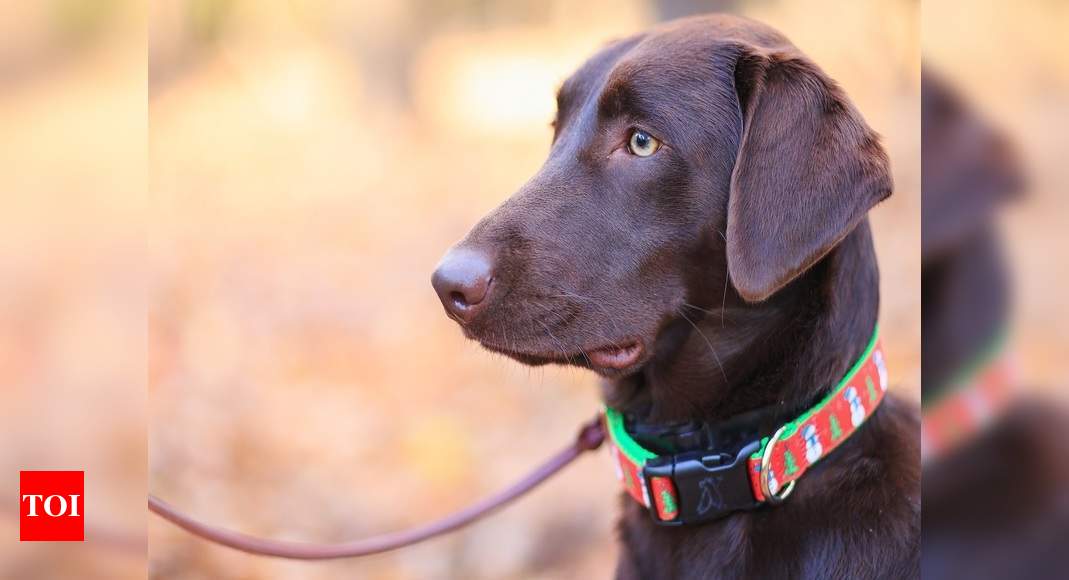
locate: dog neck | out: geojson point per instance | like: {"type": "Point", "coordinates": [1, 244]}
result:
{"type": "Point", "coordinates": [966, 297]}
{"type": "Point", "coordinates": [716, 362]}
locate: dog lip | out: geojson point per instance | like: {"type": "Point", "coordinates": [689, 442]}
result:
{"type": "Point", "coordinates": [614, 357]}
{"type": "Point", "coordinates": [617, 356]}
{"type": "Point", "coordinates": [531, 358]}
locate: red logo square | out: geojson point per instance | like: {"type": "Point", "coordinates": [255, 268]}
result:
{"type": "Point", "coordinates": [52, 506]}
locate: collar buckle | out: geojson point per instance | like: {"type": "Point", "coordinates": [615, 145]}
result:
{"type": "Point", "coordinates": [709, 485]}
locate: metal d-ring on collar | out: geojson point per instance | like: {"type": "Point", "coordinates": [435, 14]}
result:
{"type": "Point", "coordinates": [766, 468]}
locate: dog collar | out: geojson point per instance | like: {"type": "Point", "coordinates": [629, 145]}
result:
{"type": "Point", "coordinates": [976, 397]}
{"type": "Point", "coordinates": [703, 485]}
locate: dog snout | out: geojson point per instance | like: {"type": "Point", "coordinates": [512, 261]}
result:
{"type": "Point", "coordinates": [463, 280]}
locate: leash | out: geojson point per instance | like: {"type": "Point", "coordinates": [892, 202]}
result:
{"type": "Point", "coordinates": [590, 437]}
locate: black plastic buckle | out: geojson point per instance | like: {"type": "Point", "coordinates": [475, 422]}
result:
{"type": "Point", "coordinates": [708, 485]}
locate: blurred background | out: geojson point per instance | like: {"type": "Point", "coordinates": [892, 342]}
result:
{"type": "Point", "coordinates": [307, 164]}
{"type": "Point", "coordinates": [73, 265]}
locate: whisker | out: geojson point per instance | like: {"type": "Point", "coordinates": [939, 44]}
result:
{"type": "Point", "coordinates": [600, 306]}
{"type": "Point", "coordinates": [716, 357]}
{"type": "Point", "coordinates": [586, 356]}
{"type": "Point", "coordinates": [724, 298]}
{"type": "Point", "coordinates": [699, 308]}
{"type": "Point", "coordinates": [566, 294]}
{"type": "Point", "coordinates": [560, 344]}
{"type": "Point", "coordinates": [604, 338]}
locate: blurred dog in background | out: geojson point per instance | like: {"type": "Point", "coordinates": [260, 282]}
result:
{"type": "Point", "coordinates": [995, 499]}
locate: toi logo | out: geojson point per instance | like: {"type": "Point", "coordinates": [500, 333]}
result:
{"type": "Point", "coordinates": [51, 506]}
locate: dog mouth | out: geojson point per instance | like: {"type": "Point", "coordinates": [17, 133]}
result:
{"type": "Point", "coordinates": [614, 358]}
{"type": "Point", "coordinates": [617, 356]}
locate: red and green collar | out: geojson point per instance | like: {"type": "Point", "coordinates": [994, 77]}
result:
{"type": "Point", "coordinates": [703, 485]}
{"type": "Point", "coordinates": [973, 399]}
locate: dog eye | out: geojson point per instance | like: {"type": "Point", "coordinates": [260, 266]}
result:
{"type": "Point", "coordinates": [642, 143]}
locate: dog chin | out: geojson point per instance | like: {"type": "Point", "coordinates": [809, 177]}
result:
{"type": "Point", "coordinates": [614, 361]}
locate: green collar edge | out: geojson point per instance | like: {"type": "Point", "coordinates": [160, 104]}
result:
{"type": "Point", "coordinates": [994, 347]}
{"type": "Point", "coordinates": [639, 455]}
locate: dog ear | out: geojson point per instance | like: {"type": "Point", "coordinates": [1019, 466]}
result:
{"type": "Point", "coordinates": [807, 170]}
{"type": "Point", "coordinates": [969, 169]}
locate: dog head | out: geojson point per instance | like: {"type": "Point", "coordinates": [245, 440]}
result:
{"type": "Point", "coordinates": [970, 169]}
{"type": "Point", "coordinates": [706, 150]}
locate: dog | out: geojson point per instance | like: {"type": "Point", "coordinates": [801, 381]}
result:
{"type": "Point", "coordinates": [994, 505]}
{"type": "Point", "coordinates": [969, 172]}
{"type": "Point", "coordinates": [698, 238]}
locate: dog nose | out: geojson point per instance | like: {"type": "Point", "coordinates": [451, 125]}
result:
{"type": "Point", "coordinates": [463, 281]}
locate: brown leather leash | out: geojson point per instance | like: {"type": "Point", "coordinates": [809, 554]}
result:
{"type": "Point", "coordinates": [589, 438]}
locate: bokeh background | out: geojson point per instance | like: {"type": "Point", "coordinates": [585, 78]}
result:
{"type": "Point", "coordinates": [308, 165]}
{"type": "Point", "coordinates": [73, 266]}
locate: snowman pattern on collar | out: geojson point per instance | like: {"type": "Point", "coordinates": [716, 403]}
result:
{"type": "Point", "coordinates": [857, 408]}
{"type": "Point", "coordinates": [773, 484]}
{"type": "Point", "coordinates": [881, 368]}
{"type": "Point", "coordinates": [813, 448]}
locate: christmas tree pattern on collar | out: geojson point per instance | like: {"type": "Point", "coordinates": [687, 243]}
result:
{"type": "Point", "coordinates": [785, 456]}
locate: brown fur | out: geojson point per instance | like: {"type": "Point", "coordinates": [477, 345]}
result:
{"type": "Point", "coordinates": [739, 257]}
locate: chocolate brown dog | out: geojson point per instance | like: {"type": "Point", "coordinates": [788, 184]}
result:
{"type": "Point", "coordinates": [698, 237]}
